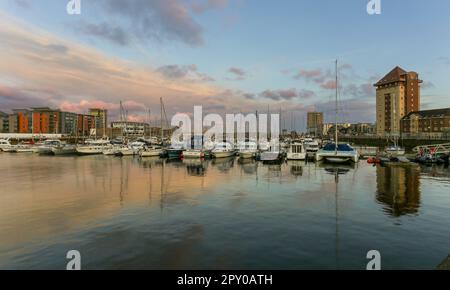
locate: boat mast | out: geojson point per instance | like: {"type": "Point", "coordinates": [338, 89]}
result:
{"type": "Point", "coordinates": [336, 113]}
{"type": "Point", "coordinates": [162, 131]}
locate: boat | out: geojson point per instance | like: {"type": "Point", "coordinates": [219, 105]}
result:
{"type": "Point", "coordinates": [175, 151]}
{"type": "Point", "coordinates": [342, 154]}
{"type": "Point", "coordinates": [93, 147]}
{"type": "Point", "coordinates": [296, 151]}
{"type": "Point", "coordinates": [125, 151]}
{"type": "Point", "coordinates": [23, 148]}
{"type": "Point", "coordinates": [46, 147]}
{"type": "Point", "coordinates": [334, 152]}
{"type": "Point", "coordinates": [311, 146]}
{"type": "Point", "coordinates": [273, 155]}
{"type": "Point", "coordinates": [223, 150]}
{"type": "Point", "coordinates": [64, 149]}
{"type": "Point", "coordinates": [196, 153]}
{"type": "Point", "coordinates": [395, 150]}
{"type": "Point", "coordinates": [137, 146]}
{"type": "Point", "coordinates": [151, 152]}
{"type": "Point", "coordinates": [4, 144]}
{"type": "Point", "coordinates": [264, 145]}
{"type": "Point", "coordinates": [112, 150]}
{"type": "Point", "coordinates": [248, 150]}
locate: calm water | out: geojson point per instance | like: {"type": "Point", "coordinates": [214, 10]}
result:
{"type": "Point", "coordinates": [153, 214]}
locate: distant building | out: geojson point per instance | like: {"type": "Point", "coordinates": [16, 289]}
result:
{"type": "Point", "coordinates": [45, 121]}
{"type": "Point", "coordinates": [314, 123]}
{"type": "Point", "coordinates": [328, 129]}
{"type": "Point", "coordinates": [429, 124]}
{"type": "Point", "coordinates": [398, 93]}
{"type": "Point", "coordinates": [4, 122]}
{"type": "Point", "coordinates": [363, 129]}
{"type": "Point", "coordinates": [86, 125]}
{"type": "Point", "coordinates": [21, 121]}
{"type": "Point", "coordinates": [132, 129]}
{"type": "Point", "coordinates": [101, 120]}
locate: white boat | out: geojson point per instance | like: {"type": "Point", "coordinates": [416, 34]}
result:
{"type": "Point", "coordinates": [196, 153]}
{"type": "Point", "coordinates": [151, 152]}
{"type": "Point", "coordinates": [395, 151]}
{"type": "Point", "coordinates": [311, 146]}
{"type": "Point", "coordinates": [274, 154]}
{"type": "Point", "coordinates": [296, 151]}
{"type": "Point", "coordinates": [93, 147]}
{"type": "Point", "coordinates": [264, 145]}
{"type": "Point", "coordinates": [111, 151]}
{"type": "Point", "coordinates": [4, 144]}
{"type": "Point", "coordinates": [248, 150]}
{"type": "Point", "coordinates": [342, 154]}
{"type": "Point", "coordinates": [24, 148]}
{"type": "Point", "coordinates": [64, 149]}
{"type": "Point", "coordinates": [137, 146]}
{"type": "Point", "coordinates": [125, 151]}
{"type": "Point", "coordinates": [46, 147]}
{"type": "Point", "coordinates": [223, 150]}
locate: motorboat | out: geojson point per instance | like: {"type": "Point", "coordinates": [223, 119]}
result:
{"type": "Point", "coordinates": [125, 151]}
{"type": "Point", "coordinates": [151, 152]}
{"type": "Point", "coordinates": [137, 146]}
{"type": "Point", "coordinates": [93, 147]}
{"type": "Point", "coordinates": [311, 146]}
{"type": "Point", "coordinates": [196, 153]}
{"type": "Point", "coordinates": [223, 150]}
{"type": "Point", "coordinates": [46, 147]}
{"type": "Point", "coordinates": [248, 150]}
{"type": "Point", "coordinates": [175, 151]}
{"type": "Point", "coordinates": [264, 145]}
{"type": "Point", "coordinates": [64, 149]}
{"type": "Point", "coordinates": [4, 144]}
{"type": "Point", "coordinates": [274, 154]}
{"type": "Point", "coordinates": [395, 151]}
{"type": "Point", "coordinates": [342, 154]}
{"type": "Point", "coordinates": [296, 151]}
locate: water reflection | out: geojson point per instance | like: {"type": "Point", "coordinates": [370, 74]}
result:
{"type": "Point", "coordinates": [224, 164]}
{"type": "Point", "coordinates": [196, 167]}
{"type": "Point", "coordinates": [398, 188]}
{"type": "Point", "coordinates": [296, 168]}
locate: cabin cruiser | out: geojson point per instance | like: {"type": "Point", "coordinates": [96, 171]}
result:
{"type": "Point", "coordinates": [248, 150]}
{"type": "Point", "coordinates": [4, 144]}
{"type": "Point", "coordinates": [46, 147]}
{"type": "Point", "coordinates": [196, 153]}
{"type": "Point", "coordinates": [64, 149]}
{"type": "Point", "coordinates": [342, 154]}
{"type": "Point", "coordinates": [153, 151]}
{"type": "Point", "coordinates": [93, 147]}
{"type": "Point", "coordinates": [395, 151]}
{"type": "Point", "coordinates": [311, 146]}
{"type": "Point", "coordinates": [137, 146]}
{"type": "Point", "coordinates": [296, 151]}
{"type": "Point", "coordinates": [223, 150]}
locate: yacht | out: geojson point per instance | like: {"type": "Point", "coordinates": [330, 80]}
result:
{"type": "Point", "coordinates": [248, 150]}
{"type": "Point", "coordinates": [4, 144]}
{"type": "Point", "coordinates": [93, 147]}
{"type": "Point", "coordinates": [46, 147]}
{"type": "Point", "coordinates": [64, 149]}
{"type": "Point", "coordinates": [112, 150]}
{"type": "Point", "coordinates": [196, 153]}
{"type": "Point", "coordinates": [125, 151]}
{"type": "Point", "coordinates": [137, 146]}
{"type": "Point", "coordinates": [264, 145]}
{"type": "Point", "coordinates": [342, 154]}
{"type": "Point", "coordinates": [223, 150]}
{"type": "Point", "coordinates": [151, 152]}
{"type": "Point", "coordinates": [176, 150]}
{"type": "Point", "coordinates": [311, 146]}
{"type": "Point", "coordinates": [296, 151]}
{"type": "Point", "coordinates": [395, 150]}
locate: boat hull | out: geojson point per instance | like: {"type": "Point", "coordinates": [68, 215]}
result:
{"type": "Point", "coordinates": [339, 157]}
{"type": "Point", "coordinates": [247, 154]}
{"type": "Point", "coordinates": [223, 154]}
{"type": "Point", "coordinates": [296, 156]}
{"type": "Point", "coordinates": [174, 153]}
{"type": "Point", "coordinates": [151, 153]}
{"type": "Point", "coordinates": [64, 151]}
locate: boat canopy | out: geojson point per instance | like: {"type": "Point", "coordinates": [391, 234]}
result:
{"type": "Point", "coordinates": [341, 147]}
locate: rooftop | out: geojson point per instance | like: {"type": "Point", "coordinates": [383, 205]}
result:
{"type": "Point", "coordinates": [430, 113]}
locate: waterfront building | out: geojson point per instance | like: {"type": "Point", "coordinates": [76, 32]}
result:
{"type": "Point", "coordinates": [101, 120]}
{"type": "Point", "coordinates": [4, 122]}
{"type": "Point", "coordinates": [86, 125]}
{"type": "Point", "coordinates": [132, 129]}
{"type": "Point", "coordinates": [398, 94]}
{"type": "Point", "coordinates": [314, 123]}
{"type": "Point", "coordinates": [21, 121]}
{"type": "Point", "coordinates": [428, 124]}
{"type": "Point", "coordinates": [69, 123]}
{"type": "Point", "coordinates": [45, 120]}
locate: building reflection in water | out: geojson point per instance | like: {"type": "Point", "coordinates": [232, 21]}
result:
{"type": "Point", "coordinates": [398, 188]}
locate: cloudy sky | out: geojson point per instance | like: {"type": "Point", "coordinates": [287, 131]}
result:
{"type": "Point", "coordinates": [227, 55]}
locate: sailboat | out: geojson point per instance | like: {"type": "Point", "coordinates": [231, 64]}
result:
{"type": "Point", "coordinates": [335, 152]}
{"type": "Point", "coordinates": [153, 151]}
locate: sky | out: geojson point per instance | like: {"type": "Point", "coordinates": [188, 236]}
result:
{"type": "Point", "coordinates": [230, 56]}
